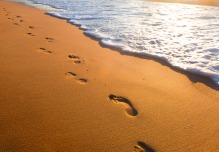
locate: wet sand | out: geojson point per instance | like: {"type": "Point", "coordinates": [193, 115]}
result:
{"type": "Point", "coordinates": [61, 91]}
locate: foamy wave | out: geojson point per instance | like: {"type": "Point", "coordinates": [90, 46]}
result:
{"type": "Point", "coordinates": [188, 40]}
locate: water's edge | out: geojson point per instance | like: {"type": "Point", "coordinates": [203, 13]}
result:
{"type": "Point", "coordinates": [193, 76]}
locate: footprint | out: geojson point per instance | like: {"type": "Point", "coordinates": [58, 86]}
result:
{"type": "Point", "coordinates": [76, 59]}
{"type": "Point", "coordinates": [70, 74]}
{"type": "Point", "coordinates": [49, 39]}
{"type": "Point", "coordinates": [142, 147]}
{"type": "Point", "coordinates": [31, 34]}
{"type": "Point", "coordinates": [21, 20]}
{"type": "Point", "coordinates": [18, 16]}
{"type": "Point", "coordinates": [73, 57]}
{"type": "Point", "coordinates": [82, 81]}
{"type": "Point", "coordinates": [43, 50]}
{"type": "Point", "coordinates": [130, 109]}
{"type": "Point", "coordinates": [16, 24]}
{"type": "Point", "coordinates": [31, 27]}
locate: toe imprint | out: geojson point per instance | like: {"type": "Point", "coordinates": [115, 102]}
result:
{"type": "Point", "coordinates": [130, 108]}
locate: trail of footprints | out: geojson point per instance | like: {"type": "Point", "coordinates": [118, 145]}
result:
{"type": "Point", "coordinates": [17, 20]}
{"type": "Point", "coordinates": [48, 39]}
{"type": "Point", "coordinates": [130, 110]}
{"type": "Point", "coordinates": [76, 60]}
{"type": "Point", "coordinates": [12, 19]}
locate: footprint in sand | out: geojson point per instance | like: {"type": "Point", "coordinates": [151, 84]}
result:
{"type": "Point", "coordinates": [49, 39]}
{"type": "Point", "coordinates": [9, 18]}
{"type": "Point", "coordinates": [70, 75]}
{"type": "Point", "coordinates": [43, 50]}
{"type": "Point", "coordinates": [142, 147]}
{"type": "Point", "coordinates": [31, 27]}
{"type": "Point", "coordinates": [73, 57]}
{"type": "Point", "coordinates": [82, 81]}
{"type": "Point", "coordinates": [31, 34]}
{"type": "Point", "coordinates": [76, 59]}
{"type": "Point", "coordinates": [21, 20]}
{"type": "Point", "coordinates": [18, 16]}
{"type": "Point", "coordinates": [16, 24]}
{"type": "Point", "coordinates": [130, 109]}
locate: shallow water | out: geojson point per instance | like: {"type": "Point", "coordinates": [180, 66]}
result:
{"type": "Point", "coordinates": [186, 36]}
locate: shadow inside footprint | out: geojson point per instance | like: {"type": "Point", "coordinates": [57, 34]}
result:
{"type": "Point", "coordinates": [49, 39]}
{"type": "Point", "coordinates": [44, 51]}
{"type": "Point", "coordinates": [31, 34]}
{"type": "Point", "coordinates": [17, 24]}
{"type": "Point", "coordinates": [130, 110]}
{"type": "Point", "coordinates": [142, 147]}
{"type": "Point", "coordinates": [31, 27]}
{"type": "Point", "coordinates": [70, 74]}
{"type": "Point", "coordinates": [73, 57]}
{"type": "Point", "coordinates": [76, 59]}
{"type": "Point", "coordinates": [77, 62]}
{"type": "Point", "coordinates": [82, 80]}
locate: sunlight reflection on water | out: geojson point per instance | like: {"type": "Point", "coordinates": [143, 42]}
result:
{"type": "Point", "coordinates": [186, 36]}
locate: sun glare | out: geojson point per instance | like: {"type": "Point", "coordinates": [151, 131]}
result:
{"type": "Point", "coordinates": [198, 2]}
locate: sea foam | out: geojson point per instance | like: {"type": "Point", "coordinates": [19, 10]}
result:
{"type": "Point", "coordinates": [186, 36]}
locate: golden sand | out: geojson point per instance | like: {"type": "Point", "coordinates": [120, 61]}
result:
{"type": "Point", "coordinates": [62, 91]}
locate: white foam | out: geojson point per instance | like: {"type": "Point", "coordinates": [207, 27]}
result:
{"type": "Point", "coordinates": [186, 36]}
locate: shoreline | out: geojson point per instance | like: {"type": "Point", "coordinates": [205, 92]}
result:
{"type": "Point", "coordinates": [62, 91]}
{"type": "Point", "coordinates": [194, 77]}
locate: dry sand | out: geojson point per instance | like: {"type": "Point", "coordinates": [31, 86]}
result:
{"type": "Point", "coordinates": [62, 91]}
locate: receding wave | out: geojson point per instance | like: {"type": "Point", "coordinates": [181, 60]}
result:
{"type": "Point", "coordinates": [186, 36]}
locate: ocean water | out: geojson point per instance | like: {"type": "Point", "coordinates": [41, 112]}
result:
{"type": "Point", "coordinates": [186, 36]}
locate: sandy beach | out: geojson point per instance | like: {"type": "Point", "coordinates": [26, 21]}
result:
{"type": "Point", "coordinates": [62, 91]}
